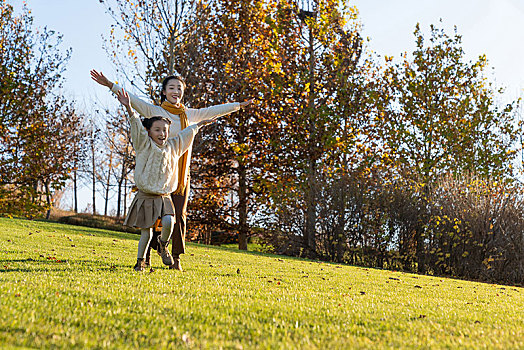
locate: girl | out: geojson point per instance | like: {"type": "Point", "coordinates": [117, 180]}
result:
{"type": "Point", "coordinates": [172, 108]}
{"type": "Point", "coordinates": [156, 177]}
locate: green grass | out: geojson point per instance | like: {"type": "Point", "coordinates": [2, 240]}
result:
{"type": "Point", "coordinates": [67, 286]}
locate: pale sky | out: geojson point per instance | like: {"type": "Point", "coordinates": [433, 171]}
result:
{"type": "Point", "coordinates": [491, 27]}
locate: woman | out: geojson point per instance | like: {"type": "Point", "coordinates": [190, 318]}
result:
{"type": "Point", "coordinates": [171, 107]}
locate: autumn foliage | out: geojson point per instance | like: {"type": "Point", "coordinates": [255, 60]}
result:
{"type": "Point", "coordinates": [404, 163]}
{"type": "Point", "coordinates": [39, 129]}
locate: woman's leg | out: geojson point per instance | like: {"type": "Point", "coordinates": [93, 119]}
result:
{"type": "Point", "coordinates": [179, 233]}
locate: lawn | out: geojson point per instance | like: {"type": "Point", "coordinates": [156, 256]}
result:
{"type": "Point", "coordinates": [67, 286]}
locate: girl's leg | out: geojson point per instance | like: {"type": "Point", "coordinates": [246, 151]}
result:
{"type": "Point", "coordinates": [163, 239]}
{"type": "Point", "coordinates": [167, 227]}
{"type": "Point", "coordinates": [145, 237]}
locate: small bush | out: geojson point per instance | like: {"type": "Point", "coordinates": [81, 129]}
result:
{"type": "Point", "coordinates": [97, 221]}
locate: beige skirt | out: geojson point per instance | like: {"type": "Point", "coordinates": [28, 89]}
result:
{"type": "Point", "coordinates": [147, 208]}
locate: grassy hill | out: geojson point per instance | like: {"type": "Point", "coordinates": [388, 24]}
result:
{"type": "Point", "coordinates": [67, 286]}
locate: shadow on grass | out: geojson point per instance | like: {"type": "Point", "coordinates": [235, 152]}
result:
{"type": "Point", "coordinates": [41, 265]}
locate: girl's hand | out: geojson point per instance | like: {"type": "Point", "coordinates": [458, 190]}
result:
{"type": "Point", "coordinates": [123, 98]}
{"type": "Point", "coordinates": [245, 103]}
{"type": "Point", "coordinates": [101, 78]}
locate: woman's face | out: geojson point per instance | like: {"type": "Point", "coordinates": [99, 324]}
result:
{"type": "Point", "coordinates": [174, 91]}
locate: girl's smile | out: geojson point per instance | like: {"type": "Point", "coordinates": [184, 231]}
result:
{"type": "Point", "coordinates": [159, 132]}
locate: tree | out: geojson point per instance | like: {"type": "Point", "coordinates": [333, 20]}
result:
{"type": "Point", "coordinates": [319, 83]}
{"type": "Point", "coordinates": [440, 116]}
{"type": "Point", "coordinates": [155, 35]}
{"type": "Point", "coordinates": [231, 154]}
{"type": "Point", "coordinates": [38, 127]}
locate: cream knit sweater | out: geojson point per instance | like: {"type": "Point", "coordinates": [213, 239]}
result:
{"type": "Point", "coordinates": [148, 110]}
{"type": "Point", "coordinates": [156, 169]}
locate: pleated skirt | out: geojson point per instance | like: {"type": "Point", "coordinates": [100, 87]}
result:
{"type": "Point", "coordinates": [147, 208]}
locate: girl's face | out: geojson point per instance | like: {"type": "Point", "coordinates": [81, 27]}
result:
{"type": "Point", "coordinates": [174, 91]}
{"type": "Point", "coordinates": [159, 132]}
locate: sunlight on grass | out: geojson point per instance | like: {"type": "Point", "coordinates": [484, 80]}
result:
{"type": "Point", "coordinates": [64, 286]}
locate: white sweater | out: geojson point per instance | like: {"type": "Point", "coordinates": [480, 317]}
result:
{"type": "Point", "coordinates": [148, 110]}
{"type": "Point", "coordinates": [156, 169]}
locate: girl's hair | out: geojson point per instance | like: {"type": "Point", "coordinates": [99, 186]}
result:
{"type": "Point", "coordinates": [166, 81]}
{"type": "Point", "coordinates": [148, 122]}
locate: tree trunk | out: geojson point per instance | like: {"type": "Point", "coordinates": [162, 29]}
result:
{"type": "Point", "coordinates": [75, 192]}
{"type": "Point", "coordinates": [48, 200]}
{"type": "Point", "coordinates": [309, 234]}
{"type": "Point", "coordinates": [93, 177]}
{"type": "Point", "coordinates": [242, 207]}
{"type": "Point", "coordinates": [419, 234]}
{"type": "Point", "coordinates": [171, 63]}
{"type": "Point", "coordinates": [124, 209]}
{"type": "Point", "coordinates": [421, 256]}
{"type": "Point", "coordinates": [120, 182]}
{"type": "Point", "coordinates": [341, 220]}
{"type": "Point", "coordinates": [108, 182]}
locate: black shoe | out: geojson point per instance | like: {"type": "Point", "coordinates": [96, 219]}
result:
{"type": "Point", "coordinates": [140, 265]}
{"type": "Point", "coordinates": [176, 265]}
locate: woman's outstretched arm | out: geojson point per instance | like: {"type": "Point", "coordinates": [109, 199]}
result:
{"type": "Point", "coordinates": [147, 110]}
{"type": "Point", "coordinates": [197, 115]}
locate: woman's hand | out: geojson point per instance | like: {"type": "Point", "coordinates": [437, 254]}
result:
{"type": "Point", "coordinates": [245, 103]}
{"type": "Point", "coordinates": [101, 78]}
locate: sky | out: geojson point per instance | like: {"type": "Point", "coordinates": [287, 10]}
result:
{"type": "Point", "coordinates": [491, 27]}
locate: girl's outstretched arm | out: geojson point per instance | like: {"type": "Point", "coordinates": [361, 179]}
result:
{"type": "Point", "coordinates": [139, 136]}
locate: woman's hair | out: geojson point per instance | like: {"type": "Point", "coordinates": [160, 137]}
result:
{"type": "Point", "coordinates": [166, 81]}
{"type": "Point", "coordinates": [148, 122]}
